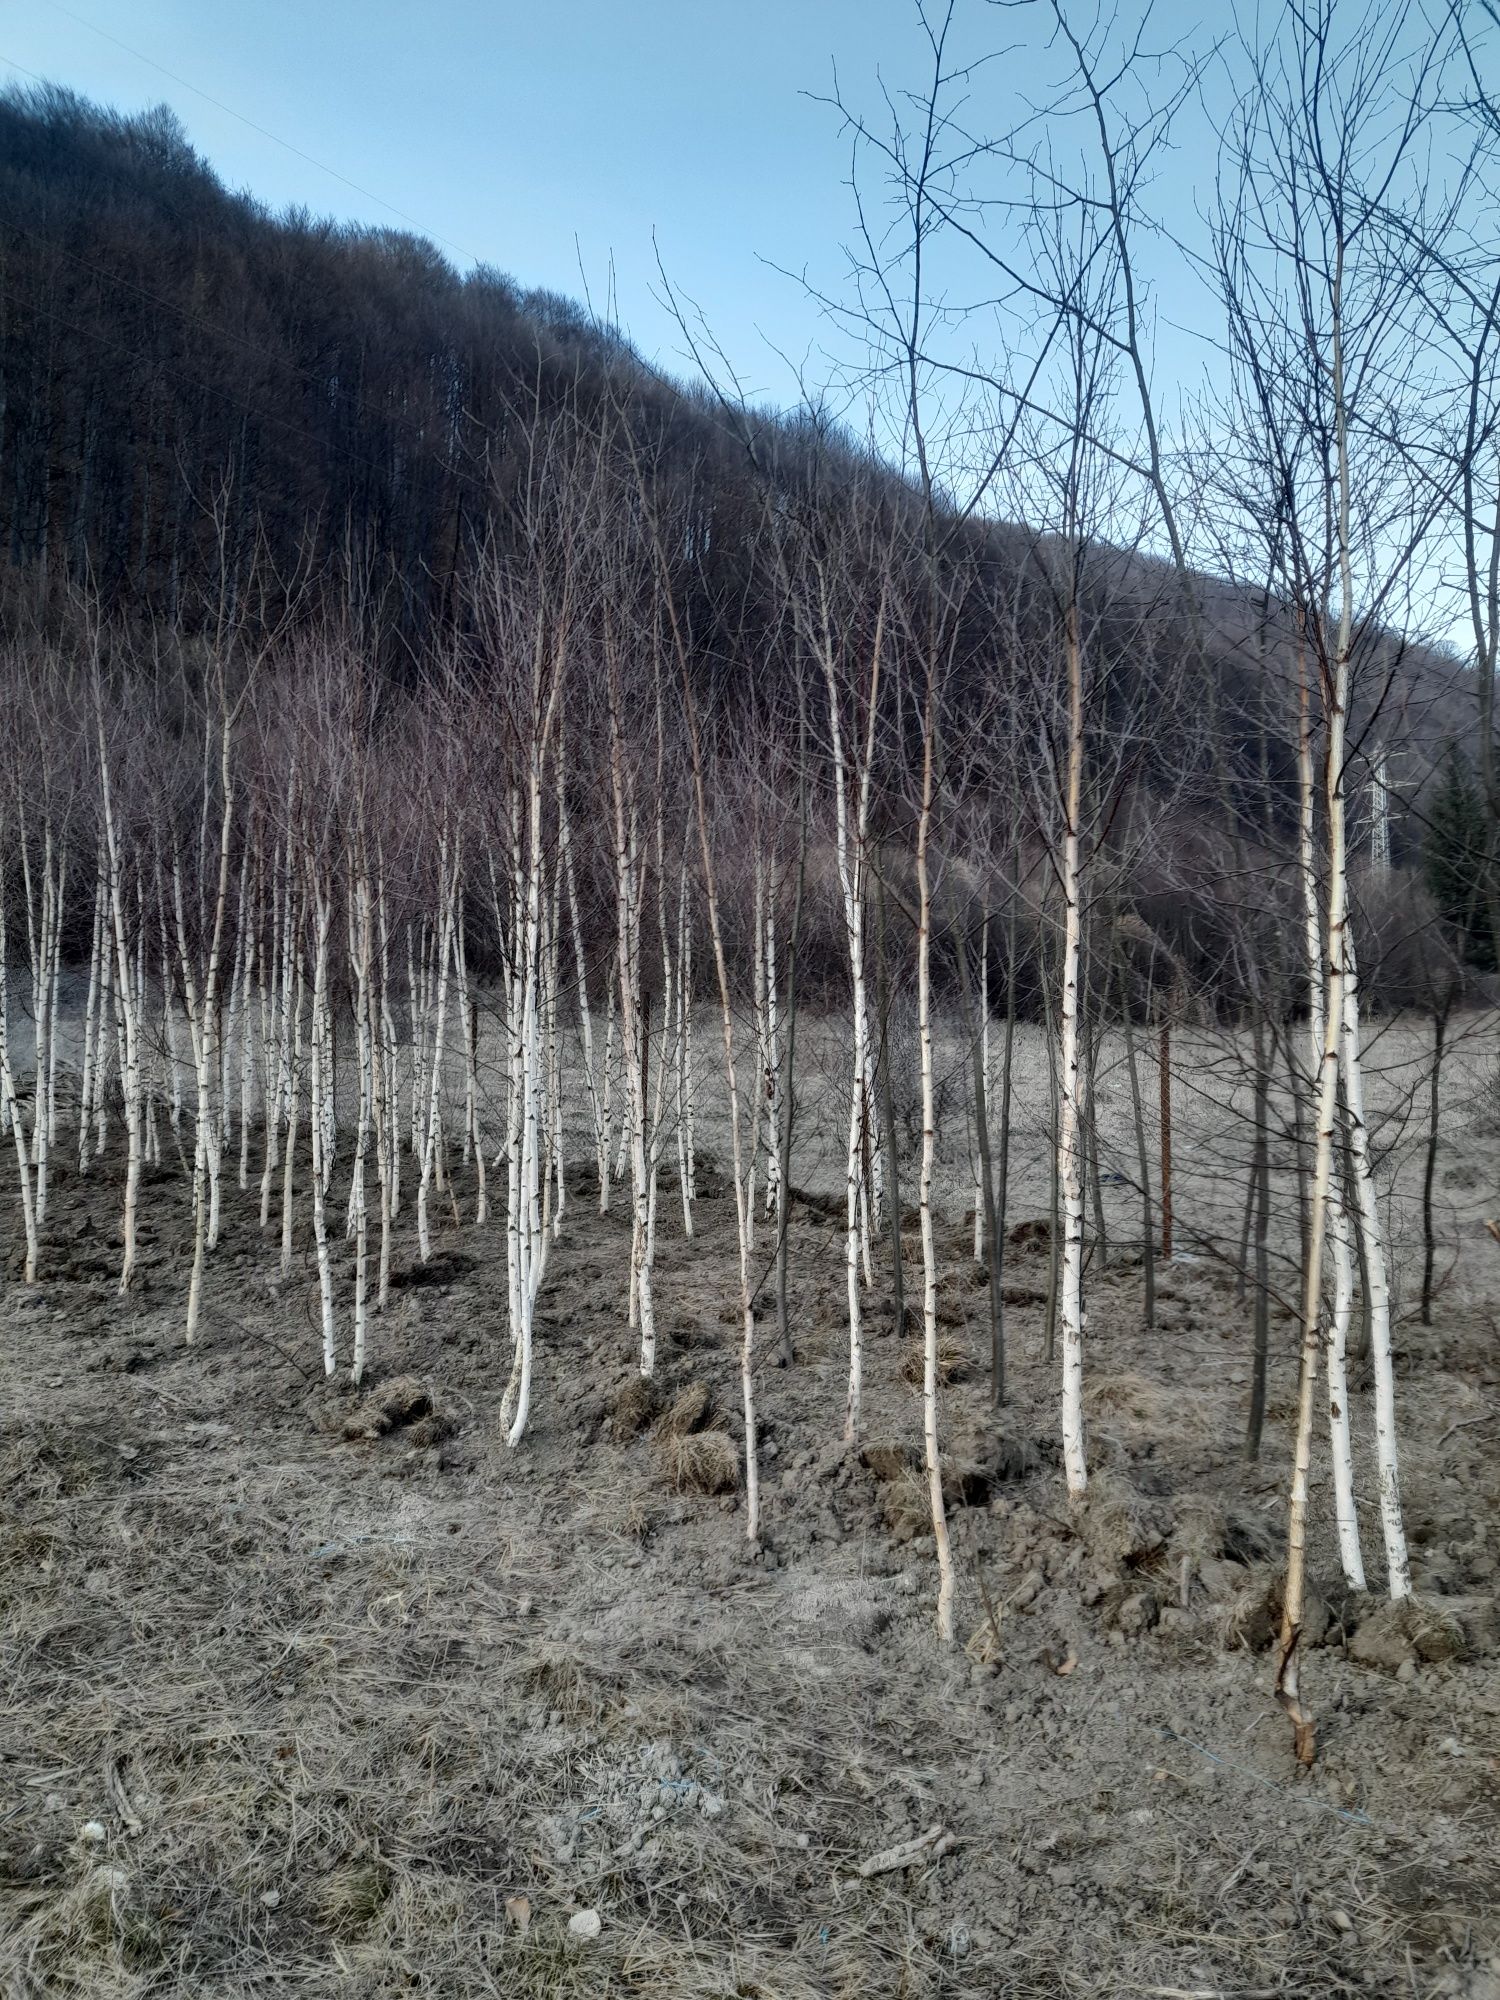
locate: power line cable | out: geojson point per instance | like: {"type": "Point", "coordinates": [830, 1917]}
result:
{"type": "Point", "coordinates": [264, 131]}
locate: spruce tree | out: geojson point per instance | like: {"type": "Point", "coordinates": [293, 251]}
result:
{"type": "Point", "coordinates": [1454, 859]}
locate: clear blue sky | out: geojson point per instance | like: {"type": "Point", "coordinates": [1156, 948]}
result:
{"type": "Point", "coordinates": [544, 138]}
{"type": "Point", "coordinates": [531, 136]}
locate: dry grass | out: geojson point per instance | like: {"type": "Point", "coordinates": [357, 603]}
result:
{"type": "Point", "coordinates": [1135, 1397]}
{"type": "Point", "coordinates": [705, 1462]}
{"type": "Point", "coordinates": [906, 1505]}
{"type": "Point", "coordinates": [634, 1405]}
{"type": "Point", "coordinates": [953, 1361]}
{"type": "Point", "coordinates": [691, 1410]}
{"type": "Point", "coordinates": [1250, 1619]}
{"type": "Point", "coordinates": [1117, 1525]}
{"type": "Point", "coordinates": [358, 1705]}
{"type": "Point", "coordinates": [1200, 1526]}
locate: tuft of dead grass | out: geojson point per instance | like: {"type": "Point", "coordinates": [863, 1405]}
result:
{"type": "Point", "coordinates": [399, 1404]}
{"type": "Point", "coordinates": [1250, 1619]}
{"type": "Point", "coordinates": [953, 1361]}
{"type": "Point", "coordinates": [1117, 1525]}
{"type": "Point", "coordinates": [1137, 1399]}
{"type": "Point", "coordinates": [562, 1678]}
{"type": "Point", "coordinates": [705, 1462]}
{"type": "Point", "coordinates": [906, 1505]}
{"type": "Point", "coordinates": [632, 1409]}
{"type": "Point", "coordinates": [691, 1411]}
{"type": "Point", "coordinates": [353, 1895]}
{"type": "Point", "coordinates": [888, 1458]}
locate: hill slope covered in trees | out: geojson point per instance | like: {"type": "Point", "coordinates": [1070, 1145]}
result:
{"type": "Point", "coordinates": [203, 403]}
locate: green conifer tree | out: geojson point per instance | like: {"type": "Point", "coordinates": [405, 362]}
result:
{"type": "Point", "coordinates": [1453, 859]}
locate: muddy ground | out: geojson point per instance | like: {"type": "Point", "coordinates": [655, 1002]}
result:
{"type": "Point", "coordinates": [310, 1690]}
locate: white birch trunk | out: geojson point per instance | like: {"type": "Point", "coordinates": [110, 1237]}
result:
{"type": "Point", "coordinates": [433, 1127]}
{"type": "Point", "coordinates": [1368, 1209]}
{"type": "Point", "coordinates": [317, 1122]}
{"type": "Point", "coordinates": [930, 1445]}
{"type": "Point", "coordinates": [1350, 1555]}
{"type": "Point", "coordinates": [13, 1111]}
{"type": "Point", "coordinates": [1072, 1085]}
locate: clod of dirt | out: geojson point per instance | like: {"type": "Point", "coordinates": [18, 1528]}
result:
{"type": "Point", "coordinates": [402, 1400]}
{"type": "Point", "coordinates": [905, 1506]}
{"type": "Point", "coordinates": [689, 1413]}
{"type": "Point", "coordinates": [1118, 1525]}
{"type": "Point", "coordinates": [392, 1406]}
{"type": "Point", "coordinates": [1201, 1527]}
{"type": "Point", "coordinates": [953, 1363]}
{"type": "Point", "coordinates": [1251, 1620]}
{"type": "Point", "coordinates": [442, 1269]}
{"type": "Point", "coordinates": [1035, 1234]}
{"type": "Point", "coordinates": [1422, 1629]}
{"type": "Point", "coordinates": [888, 1460]}
{"type": "Point", "coordinates": [979, 1460]}
{"type": "Point", "coordinates": [1134, 1612]}
{"type": "Point", "coordinates": [632, 1410]}
{"type": "Point", "coordinates": [430, 1430]}
{"type": "Point", "coordinates": [706, 1462]}
{"type": "Point", "coordinates": [1212, 1546]}
{"type": "Point", "coordinates": [1219, 1577]}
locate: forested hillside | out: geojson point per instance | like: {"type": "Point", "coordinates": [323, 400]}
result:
{"type": "Point", "coordinates": [193, 389]}
{"type": "Point", "coordinates": [217, 419]}
{"type": "Point", "coordinates": [172, 354]}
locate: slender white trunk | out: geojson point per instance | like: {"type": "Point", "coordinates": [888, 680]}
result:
{"type": "Point", "coordinates": [597, 1086]}
{"type": "Point", "coordinates": [127, 1011]}
{"type": "Point", "coordinates": [13, 1112]}
{"type": "Point", "coordinates": [1072, 1085]}
{"type": "Point", "coordinates": [851, 827]}
{"type": "Point", "coordinates": [109, 1031]}
{"type": "Point", "coordinates": [273, 995]}
{"type": "Point", "coordinates": [762, 1025]}
{"type": "Point", "coordinates": [930, 1447]}
{"type": "Point", "coordinates": [556, 1140]}
{"type": "Point", "coordinates": [473, 1137]}
{"type": "Point", "coordinates": [1378, 1287]}
{"type": "Point", "coordinates": [1336, 704]}
{"type": "Point", "coordinates": [317, 1123]}
{"type": "Point", "coordinates": [737, 1152]}
{"type": "Point", "coordinates": [432, 1133]}
{"type": "Point", "coordinates": [531, 1234]}
{"type": "Point", "coordinates": [632, 1043]}
{"type": "Point", "coordinates": [249, 972]}
{"type": "Point", "coordinates": [90, 1081]}
{"type": "Point", "coordinates": [53, 1039]}
{"type": "Point", "coordinates": [1339, 1240]}
{"type": "Point", "coordinates": [296, 989]}
{"type": "Point", "coordinates": [361, 953]}
{"type": "Point", "coordinates": [984, 1070]}
{"type": "Point", "coordinates": [683, 1054]}
{"type": "Point", "coordinates": [775, 1193]}
{"type": "Point", "coordinates": [391, 1078]}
